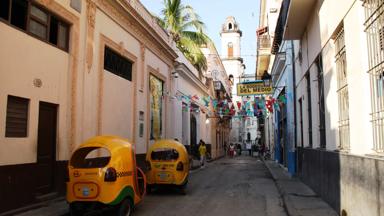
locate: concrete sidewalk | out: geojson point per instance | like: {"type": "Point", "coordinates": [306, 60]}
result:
{"type": "Point", "coordinates": [298, 198]}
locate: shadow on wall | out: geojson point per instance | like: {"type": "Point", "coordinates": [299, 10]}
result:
{"type": "Point", "coordinates": [318, 168]}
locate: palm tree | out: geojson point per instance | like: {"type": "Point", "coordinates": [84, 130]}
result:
{"type": "Point", "coordinates": [187, 31]}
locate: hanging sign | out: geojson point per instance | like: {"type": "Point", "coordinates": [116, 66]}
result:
{"type": "Point", "coordinates": [217, 85]}
{"type": "Point", "coordinates": [253, 88]}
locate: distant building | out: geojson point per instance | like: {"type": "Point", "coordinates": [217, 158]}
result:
{"type": "Point", "coordinates": [71, 70]}
{"type": "Point", "coordinates": [243, 127]}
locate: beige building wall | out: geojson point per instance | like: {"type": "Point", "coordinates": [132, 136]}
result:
{"type": "Point", "coordinates": [27, 60]}
{"type": "Point", "coordinates": [19, 68]}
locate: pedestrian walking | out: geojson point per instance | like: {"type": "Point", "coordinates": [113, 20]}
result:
{"type": "Point", "coordinates": [203, 153]}
{"type": "Point", "coordinates": [238, 146]}
{"type": "Point", "coordinates": [231, 150]}
{"type": "Point", "coordinates": [248, 146]}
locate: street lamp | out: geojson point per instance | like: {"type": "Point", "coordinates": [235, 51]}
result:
{"type": "Point", "coordinates": [207, 121]}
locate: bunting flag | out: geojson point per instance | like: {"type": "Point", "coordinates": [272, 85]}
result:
{"type": "Point", "coordinates": [238, 104]}
{"type": "Point", "coordinates": [230, 104]}
{"type": "Point", "coordinates": [268, 104]}
{"type": "Point", "coordinates": [282, 99]}
{"type": "Point", "coordinates": [214, 103]}
{"type": "Point", "coordinates": [259, 106]}
{"type": "Point", "coordinates": [206, 101]}
{"type": "Point", "coordinates": [276, 106]}
{"type": "Point", "coordinates": [195, 97]}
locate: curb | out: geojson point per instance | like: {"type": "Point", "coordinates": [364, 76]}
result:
{"type": "Point", "coordinates": [287, 203]}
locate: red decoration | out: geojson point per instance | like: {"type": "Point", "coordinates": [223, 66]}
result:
{"type": "Point", "coordinates": [238, 104]}
{"type": "Point", "coordinates": [269, 104]}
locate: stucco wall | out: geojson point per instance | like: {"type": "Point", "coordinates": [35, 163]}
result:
{"type": "Point", "coordinates": [358, 81]}
{"type": "Point", "coordinates": [19, 67]}
{"type": "Point", "coordinates": [338, 177]}
{"type": "Point", "coordinates": [233, 37]}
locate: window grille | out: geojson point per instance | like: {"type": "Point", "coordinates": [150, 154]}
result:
{"type": "Point", "coordinates": [342, 90]}
{"type": "Point", "coordinates": [374, 23]}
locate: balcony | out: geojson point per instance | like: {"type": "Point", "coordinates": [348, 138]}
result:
{"type": "Point", "coordinates": [263, 53]}
{"type": "Point", "coordinates": [263, 42]}
{"type": "Point", "coordinates": [299, 13]}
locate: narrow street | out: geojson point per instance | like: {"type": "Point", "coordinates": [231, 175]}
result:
{"type": "Point", "coordinates": [238, 186]}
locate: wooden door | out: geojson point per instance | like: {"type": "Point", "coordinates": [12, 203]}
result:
{"type": "Point", "coordinates": [46, 150]}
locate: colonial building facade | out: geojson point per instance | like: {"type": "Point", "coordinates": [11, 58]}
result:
{"type": "Point", "coordinates": [338, 101]}
{"type": "Point", "coordinates": [71, 70]}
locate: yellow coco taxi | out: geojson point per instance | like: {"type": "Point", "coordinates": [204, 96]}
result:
{"type": "Point", "coordinates": [167, 164]}
{"type": "Point", "coordinates": [103, 173]}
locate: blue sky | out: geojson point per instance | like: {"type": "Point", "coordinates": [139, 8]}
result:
{"type": "Point", "coordinates": [213, 14]}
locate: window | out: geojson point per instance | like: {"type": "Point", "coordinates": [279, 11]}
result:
{"type": "Point", "coordinates": [375, 36]}
{"type": "Point", "coordinates": [165, 154]}
{"type": "Point", "coordinates": [90, 157]}
{"type": "Point", "coordinates": [230, 50]}
{"type": "Point", "coordinates": [230, 26]}
{"type": "Point", "coordinates": [4, 10]}
{"type": "Point", "coordinates": [17, 117]}
{"type": "Point", "coordinates": [38, 22]}
{"type": "Point", "coordinates": [320, 90]}
{"type": "Point", "coordinates": [19, 11]}
{"type": "Point", "coordinates": [309, 109]}
{"type": "Point", "coordinates": [117, 64]}
{"type": "Point", "coordinates": [342, 90]}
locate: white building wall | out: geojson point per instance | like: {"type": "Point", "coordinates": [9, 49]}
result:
{"type": "Point", "coordinates": [228, 37]}
{"type": "Point", "coordinates": [319, 39]}
{"type": "Point", "coordinates": [361, 134]}
{"type": "Point", "coordinates": [331, 98]}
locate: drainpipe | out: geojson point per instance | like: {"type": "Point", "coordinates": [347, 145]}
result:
{"type": "Point", "coordinates": [294, 105]}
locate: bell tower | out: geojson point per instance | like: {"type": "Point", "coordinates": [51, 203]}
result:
{"type": "Point", "coordinates": [231, 51]}
{"type": "Point", "coordinates": [234, 66]}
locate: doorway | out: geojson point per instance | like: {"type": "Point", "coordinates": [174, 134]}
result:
{"type": "Point", "coordinates": [193, 135]}
{"type": "Point", "coordinates": [46, 147]}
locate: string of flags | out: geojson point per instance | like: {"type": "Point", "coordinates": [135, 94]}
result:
{"type": "Point", "coordinates": [259, 106]}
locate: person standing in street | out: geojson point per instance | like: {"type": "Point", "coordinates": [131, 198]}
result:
{"type": "Point", "coordinates": [249, 147]}
{"type": "Point", "coordinates": [203, 153]}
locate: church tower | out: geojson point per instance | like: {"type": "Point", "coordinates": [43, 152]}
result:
{"type": "Point", "coordinates": [234, 66]}
{"type": "Point", "coordinates": [231, 52]}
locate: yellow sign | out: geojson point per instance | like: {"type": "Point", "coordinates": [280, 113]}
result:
{"type": "Point", "coordinates": [253, 88]}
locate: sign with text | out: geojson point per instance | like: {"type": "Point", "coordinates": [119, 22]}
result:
{"type": "Point", "coordinates": [253, 88]}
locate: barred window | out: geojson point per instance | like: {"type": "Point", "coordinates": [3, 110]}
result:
{"type": "Point", "coordinates": [374, 25]}
{"type": "Point", "coordinates": [342, 90]}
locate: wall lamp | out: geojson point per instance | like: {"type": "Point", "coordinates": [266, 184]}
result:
{"type": "Point", "coordinates": [175, 74]}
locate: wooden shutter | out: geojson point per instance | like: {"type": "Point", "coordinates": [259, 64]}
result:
{"type": "Point", "coordinates": [17, 117]}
